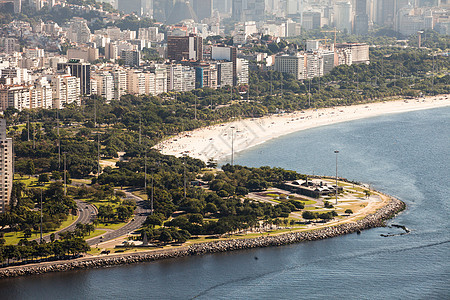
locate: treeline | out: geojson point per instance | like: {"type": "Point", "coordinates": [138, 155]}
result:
{"type": "Point", "coordinates": [29, 251]}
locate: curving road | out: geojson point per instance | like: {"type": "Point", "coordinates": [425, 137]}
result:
{"type": "Point", "coordinates": [86, 214]}
{"type": "Point", "coordinates": [140, 214]}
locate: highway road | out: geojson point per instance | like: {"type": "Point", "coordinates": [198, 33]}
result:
{"type": "Point", "coordinates": [86, 213]}
{"type": "Point", "coordinates": [140, 214]}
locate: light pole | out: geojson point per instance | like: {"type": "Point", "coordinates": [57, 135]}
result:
{"type": "Point", "coordinates": [232, 145]}
{"type": "Point", "coordinates": [41, 217]}
{"type": "Point", "coordinates": [65, 175]}
{"type": "Point", "coordinates": [337, 152]}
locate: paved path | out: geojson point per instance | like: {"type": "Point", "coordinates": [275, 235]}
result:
{"type": "Point", "coordinates": [140, 215]}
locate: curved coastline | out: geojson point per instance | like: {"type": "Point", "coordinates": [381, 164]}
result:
{"type": "Point", "coordinates": [215, 142]}
{"type": "Point", "coordinates": [376, 219]}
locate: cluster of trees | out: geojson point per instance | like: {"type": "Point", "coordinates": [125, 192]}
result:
{"type": "Point", "coordinates": [223, 203]}
{"type": "Point", "coordinates": [22, 215]}
{"type": "Point", "coordinates": [109, 214]}
{"type": "Point", "coordinates": [27, 251]}
{"type": "Point", "coordinates": [311, 215]}
{"type": "Point", "coordinates": [164, 235]}
{"type": "Point", "coordinates": [81, 230]}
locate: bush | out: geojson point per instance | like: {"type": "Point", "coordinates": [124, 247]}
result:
{"type": "Point", "coordinates": [349, 211]}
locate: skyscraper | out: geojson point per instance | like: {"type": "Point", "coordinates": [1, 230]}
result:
{"type": "Point", "coordinates": [343, 16]}
{"type": "Point", "coordinates": [80, 70]}
{"type": "Point", "coordinates": [361, 24]}
{"type": "Point", "coordinates": [185, 47]}
{"type": "Point", "coordinates": [248, 10]}
{"type": "Point", "coordinates": [6, 165]}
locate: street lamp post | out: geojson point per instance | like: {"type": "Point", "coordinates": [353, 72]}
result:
{"type": "Point", "coordinates": [337, 152]}
{"type": "Point", "coordinates": [232, 145]}
{"type": "Point", "coordinates": [65, 175]}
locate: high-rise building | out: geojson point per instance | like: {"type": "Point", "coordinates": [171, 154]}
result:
{"type": "Point", "coordinates": [120, 83]}
{"type": "Point", "coordinates": [292, 64]}
{"type": "Point", "coordinates": [17, 96]}
{"type": "Point", "coordinates": [224, 74]}
{"type": "Point", "coordinates": [180, 78]}
{"type": "Point", "coordinates": [66, 90]}
{"type": "Point", "coordinates": [359, 52]}
{"type": "Point", "coordinates": [80, 70]}
{"type": "Point", "coordinates": [185, 47]}
{"type": "Point", "coordinates": [79, 31]}
{"type": "Point", "coordinates": [205, 75]}
{"type": "Point", "coordinates": [6, 166]}
{"type": "Point", "coordinates": [343, 16]}
{"type": "Point", "coordinates": [248, 10]}
{"type": "Point", "coordinates": [135, 82]}
{"type": "Point", "coordinates": [361, 24]}
{"type": "Point", "coordinates": [228, 54]}
{"type": "Point", "coordinates": [242, 71]}
{"type": "Point", "coordinates": [311, 20]}
{"type": "Point", "coordinates": [131, 57]}
{"type": "Point", "coordinates": [105, 85]}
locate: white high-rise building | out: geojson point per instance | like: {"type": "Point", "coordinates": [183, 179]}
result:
{"type": "Point", "coordinates": [105, 85]}
{"type": "Point", "coordinates": [181, 78]}
{"type": "Point", "coordinates": [17, 96]}
{"type": "Point", "coordinates": [242, 71]}
{"type": "Point", "coordinates": [41, 94]}
{"type": "Point", "coordinates": [292, 64]}
{"type": "Point", "coordinates": [6, 166]}
{"type": "Point", "coordinates": [343, 16]}
{"type": "Point", "coordinates": [66, 90]}
{"type": "Point", "coordinates": [120, 83]}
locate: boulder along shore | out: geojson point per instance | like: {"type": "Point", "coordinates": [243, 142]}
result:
{"type": "Point", "coordinates": [376, 219]}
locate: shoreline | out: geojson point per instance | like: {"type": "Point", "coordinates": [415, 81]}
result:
{"type": "Point", "coordinates": [218, 141]}
{"type": "Point", "coordinates": [377, 219]}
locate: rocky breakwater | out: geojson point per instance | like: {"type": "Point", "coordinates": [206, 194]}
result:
{"type": "Point", "coordinates": [371, 221]}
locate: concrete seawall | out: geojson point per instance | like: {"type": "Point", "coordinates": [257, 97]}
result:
{"type": "Point", "coordinates": [371, 221]}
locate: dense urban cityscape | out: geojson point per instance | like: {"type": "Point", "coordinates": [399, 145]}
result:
{"type": "Point", "coordinates": [122, 121]}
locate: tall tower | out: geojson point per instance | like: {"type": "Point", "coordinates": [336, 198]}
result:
{"type": "Point", "coordinates": [361, 23]}
{"type": "Point", "coordinates": [6, 165]}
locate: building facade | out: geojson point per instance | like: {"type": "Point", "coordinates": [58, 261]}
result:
{"type": "Point", "coordinates": [6, 167]}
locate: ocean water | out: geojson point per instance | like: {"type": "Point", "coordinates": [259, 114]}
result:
{"type": "Point", "coordinates": [406, 155]}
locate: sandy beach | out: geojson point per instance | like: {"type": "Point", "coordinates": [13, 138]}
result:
{"type": "Point", "coordinates": [219, 141]}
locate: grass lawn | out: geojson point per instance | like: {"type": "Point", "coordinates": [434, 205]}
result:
{"type": "Point", "coordinates": [112, 226]}
{"type": "Point", "coordinates": [95, 233]}
{"type": "Point", "coordinates": [13, 238]}
{"type": "Point", "coordinates": [140, 194]}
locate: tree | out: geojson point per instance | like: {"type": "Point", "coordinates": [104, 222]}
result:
{"type": "Point", "coordinates": [196, 218]}
{"type": "Point", "coordinates": [165, 236]}
{"type": "Point", "coordinates": [154, 220]}
{"type": "Point", "coordinates": [30, 169]}
{"type": "Point", "coordinates": [43, 178]}
{"type": "Point", "coordinates": [308, 215]}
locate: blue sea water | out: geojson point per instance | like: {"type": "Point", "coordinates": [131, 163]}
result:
{"type": "Point", "coordinates": [406, 155]}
